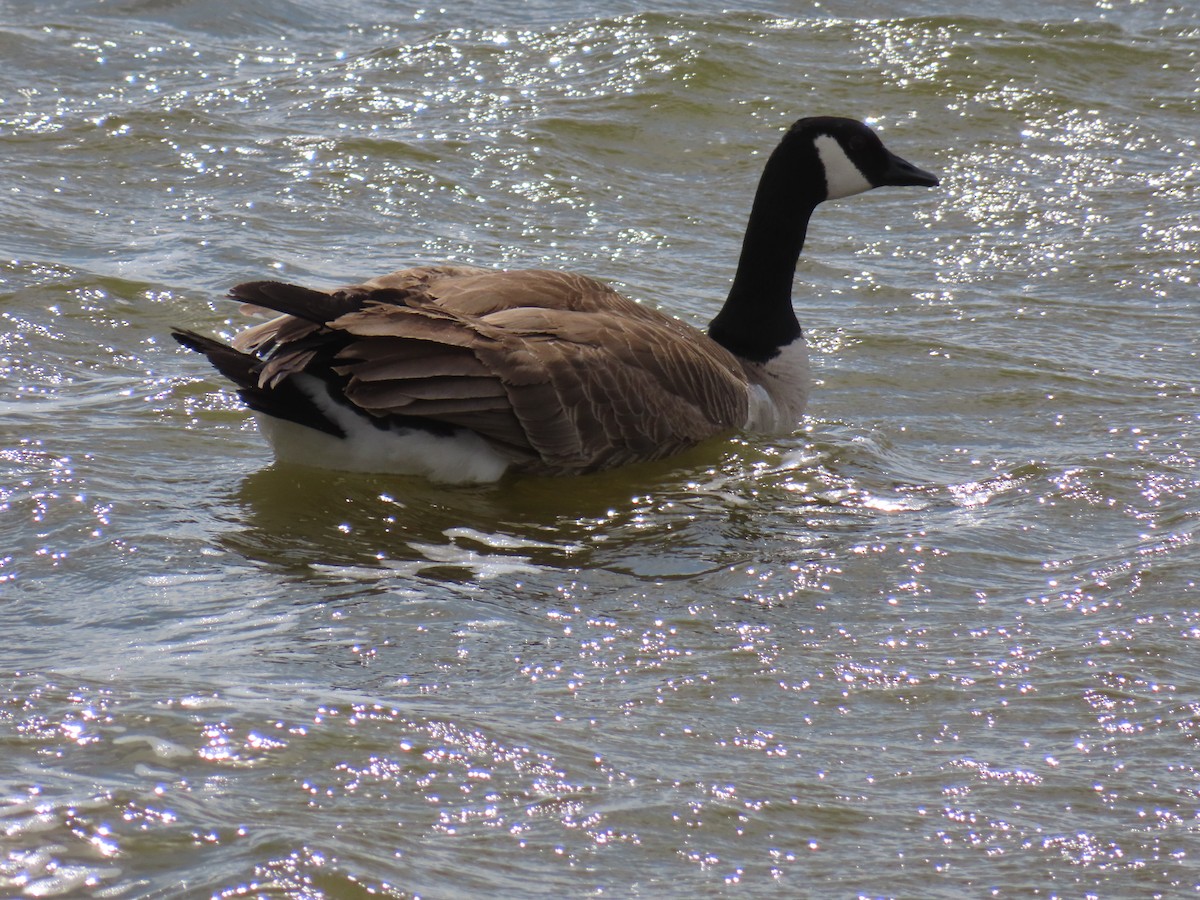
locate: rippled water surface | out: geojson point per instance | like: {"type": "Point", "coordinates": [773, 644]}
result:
{"type": "Point", "coordinates": [940, 642]}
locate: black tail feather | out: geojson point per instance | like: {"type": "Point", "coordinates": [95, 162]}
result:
{"type": "Point", "coordinates": [301, 302]}
{"type": "Point", "coordinates": [240, 368]}
{"type": "Point", "coordinates": [284, 401]}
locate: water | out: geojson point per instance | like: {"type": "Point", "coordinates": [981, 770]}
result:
{"type": "Point", "coordinates": [941, 642]}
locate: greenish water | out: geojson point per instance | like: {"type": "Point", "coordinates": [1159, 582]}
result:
{"type": "Point", "coordinates": [941, 642]}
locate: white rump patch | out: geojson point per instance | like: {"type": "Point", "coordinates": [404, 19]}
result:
{"type": "Point", "coordinates": [461, 458]}
{"type": "Point", "coordinates": [842, 177]}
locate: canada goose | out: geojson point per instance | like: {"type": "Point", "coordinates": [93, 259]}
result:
{"type": "Point", "coordinates": [460, 374]}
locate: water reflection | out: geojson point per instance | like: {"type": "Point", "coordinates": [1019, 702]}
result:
{"type": "Point", "coordinates": [937, 644]}
{"type": "Point", "coordinates": [295, 516]}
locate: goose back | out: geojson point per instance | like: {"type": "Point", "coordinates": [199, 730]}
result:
{"type": "Point", "coordinates": [556, 370]}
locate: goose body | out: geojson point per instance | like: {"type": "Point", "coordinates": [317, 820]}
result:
{"type": "Point", "coordinates": [461, 374]}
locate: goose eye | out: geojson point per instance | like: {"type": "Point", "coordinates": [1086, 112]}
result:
{"type": "Point", "coordinates": [855, 144]}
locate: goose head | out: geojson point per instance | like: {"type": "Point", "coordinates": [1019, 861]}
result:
{"type": "Point", "coordinates": [819, 158]}
{"type": "Point", "coordinates": [851, 156]}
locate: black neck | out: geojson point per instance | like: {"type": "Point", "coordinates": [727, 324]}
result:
{"type": "Point", "coordinates": [757, 318]}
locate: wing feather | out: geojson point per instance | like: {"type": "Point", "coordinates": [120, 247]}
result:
{"type": "Point", "coordinates": [558, 369]}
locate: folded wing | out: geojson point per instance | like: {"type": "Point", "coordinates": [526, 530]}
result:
{"type": "Point", "coordinates": [558, 370]}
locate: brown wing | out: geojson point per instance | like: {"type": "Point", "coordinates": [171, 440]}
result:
{"type": "Point", "coordinates": [560, 369]}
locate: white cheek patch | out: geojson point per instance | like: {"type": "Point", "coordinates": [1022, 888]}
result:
{"type": "Point", "coordinates": [842, 177]}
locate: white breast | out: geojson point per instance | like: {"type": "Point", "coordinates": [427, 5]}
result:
{"type": "Point", "coordinates": [779, 390]}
